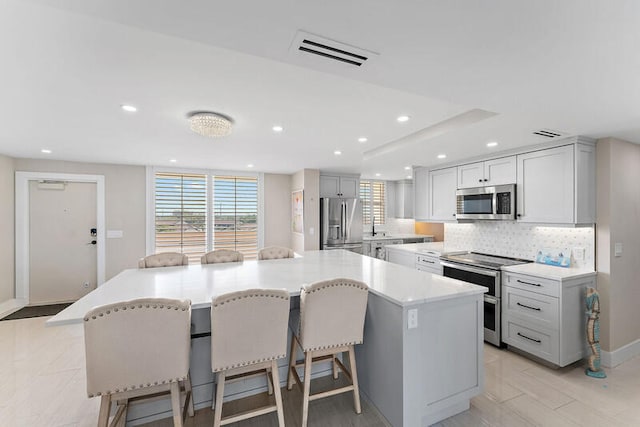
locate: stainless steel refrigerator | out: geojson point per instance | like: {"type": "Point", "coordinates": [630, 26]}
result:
{"type": "Point", "coordinates": [341, 224]}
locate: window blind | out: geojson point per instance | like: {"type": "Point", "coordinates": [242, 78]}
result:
{"type": "Point", "coordinates": [181, 214]}
{"type": "Point", "coordinates": [235, 214]}
{"type": "Point", "coordinates": [373, 201]}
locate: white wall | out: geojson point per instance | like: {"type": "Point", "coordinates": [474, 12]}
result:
{"type": "Point", "coordinates": [277, 210]}
{"type": "Point", "coordinates": [7, 227]}
{"type": "Point", "coordinates": [309, 181]}
{"type": "Point", "coordinates": [618, 219]}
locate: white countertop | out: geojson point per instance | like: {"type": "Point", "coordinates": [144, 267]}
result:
{"type": "Point", "coordinates": [427, 248]}
{"type": "Point", "coordinates": [199, 283]}
{"type": "Point", "coordinates": [550, 271]}
{"type": "Point", "coordinates": [395, 237]}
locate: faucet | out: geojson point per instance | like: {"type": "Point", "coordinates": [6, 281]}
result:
{"type": "Point", "coordinates": [373, 226]}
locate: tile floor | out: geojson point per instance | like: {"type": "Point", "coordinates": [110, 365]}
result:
{"type": "Point", "coordinates": [43, 384]}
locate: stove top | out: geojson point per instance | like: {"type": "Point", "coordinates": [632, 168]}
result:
{"type": "Point", "coordinates": [493, 262]}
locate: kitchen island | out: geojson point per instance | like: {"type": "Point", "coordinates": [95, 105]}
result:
{"type": "Point", "coordinates": [421, 360]}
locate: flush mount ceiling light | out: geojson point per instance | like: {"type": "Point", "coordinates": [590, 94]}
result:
{"type": "Point", "coordinates": [362, 139]}
{"type": "Point", "coordinates": [442, 156]}
{"type": "Point", "coordinates": [172, 160]}
{"type": "Point", "coordinates": [403, 119]}
{"type": "Point", "coordinates": [337, 152]}
{"type": "Point", "coordinates": [492, 144]}
{"type": "Point", "coordinates": [129, 108]}
{"type": "Point", "coordinates": [407, 168]}
{"type": "Point", "coordinates": [45, 151]}
{"type": "Point", "coordinates": [210, 124]}
{"type": "Point", "coordinates": [277, 128]}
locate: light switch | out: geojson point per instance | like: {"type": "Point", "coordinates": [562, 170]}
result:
{"type": "Point", "coordinates": [311, 231]}
{"type": "Point", "coordinates": [617, 251]}
{"type": "Point", "coordinates": [412, 318]}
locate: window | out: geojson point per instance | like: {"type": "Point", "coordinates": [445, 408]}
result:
{"type": "Point", "coordinates": [196, 213]}
{"type": "Point", "coordinates": [372, 197]}
{"type": "Point", "coordinates": [235, 214]}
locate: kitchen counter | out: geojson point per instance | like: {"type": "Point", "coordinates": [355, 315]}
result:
{"type": "Point", "coordinates": [428, 248]}
{"type": "Point", "coordinates": [550, 271]}
{"type": "Point", "coordinates": [422, 384]}
{"type": "Point", "coordinates": [396, 237]}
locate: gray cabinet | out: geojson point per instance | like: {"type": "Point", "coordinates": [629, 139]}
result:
{"type": "Point", "coordinates": [421, 194]}
{"type": "Point", "coordinates": [400, 199]}
{"type": "Point", "coordinates": [491, 172]}
{"type": "Point", "coordinates": [339, 186]}
{"type": "Point", "coordinates": [442, 194]}
{"type": "Point", "coordinates": [545, 317]}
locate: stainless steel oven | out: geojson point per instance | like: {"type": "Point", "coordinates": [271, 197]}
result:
{"type": "Point", "coordinates": [484, 277]}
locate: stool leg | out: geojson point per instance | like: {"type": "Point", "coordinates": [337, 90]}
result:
{"type": "Point", "coordinates": [334, 365]}
{"type": "Point", "coordinates": [105, 409]}
{"type": "Point", "coordinates": [276, 389]}
{"type": "Point", "coordinates": [189, 394]}
{"type": "Point", "coordinates": [307, 388]}
{"type": "Point", "coordinates": [354, 376]}
{"type": "Point", "coordinates": [217, 416]}
{"type": "Point", "coordinates": [175, 404]}
{"type": "Point", "coordinates": [292, 362]}
{"type": "Point", "coordinates": [269, 380]}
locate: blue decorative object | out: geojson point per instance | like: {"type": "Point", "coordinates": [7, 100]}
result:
{"type": "Point", "coordinates": [593, 334]}
{"type": "Point", "coordinates": [556, 257]}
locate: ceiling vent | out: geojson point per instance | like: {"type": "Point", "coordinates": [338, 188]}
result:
{"type": "Point", "coordinates": [327, 49]}
{"type": "Point", "coordinates": [547, 133]}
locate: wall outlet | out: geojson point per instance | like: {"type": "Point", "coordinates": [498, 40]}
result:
{"type": "Point", "coordinates": [578, 253]}
{"type": "Point", "coordinates": [85, 285]}
{"type": "Point", "coordinates": [412, 318]}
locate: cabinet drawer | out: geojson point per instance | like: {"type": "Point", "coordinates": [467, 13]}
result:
{"type": "Point", "coordinates": [540, 342]}
{"type": "Point", "coordinates": [530, 307]}
{"type": "Point", "coordinates": [427, 261]}
{"type": "Point", "coordinates": [433, 270]}
{"type": "Point", "coordinates": [532, 284]}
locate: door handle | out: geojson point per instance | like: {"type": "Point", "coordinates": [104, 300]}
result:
{"type": "Point", "coordinates": [93, 242]}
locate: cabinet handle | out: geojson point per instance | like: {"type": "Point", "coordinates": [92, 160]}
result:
{"type": "Point", "coordinates": [518, 215]}
{"type": "Point", "coordinates": [479, 180]}
{"type": "Point", "coordinates": [485, 180]}
{"type": "Point", "coordinates": [454, 214]}
{"type": "Point", "coordinates": [528, 306]}
{"type": "Point", "coordinates": [430, 262]}
{"type": "Point", "coordinates": [530, 339]}
{"type": "Point", "coordinates": [528, 283]}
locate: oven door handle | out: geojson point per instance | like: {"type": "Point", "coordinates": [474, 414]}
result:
{"type": "Point", "coordinates": [463, 267]}
{"type": "Point", "coordinates": [490, 300]}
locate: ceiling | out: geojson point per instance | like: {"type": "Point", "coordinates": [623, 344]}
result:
{"type": "Point", "coordinates": [68, 65]}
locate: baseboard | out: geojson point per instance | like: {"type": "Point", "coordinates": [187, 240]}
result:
{"type": "Point", "coordinates": [11, 306]}
{"type": "Point", "coordinates": [611, 359]}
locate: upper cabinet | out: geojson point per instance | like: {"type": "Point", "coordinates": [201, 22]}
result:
{"type": "Point", "coordinates": [557, 185]}
{"type": "Point", "coordinates": [339, 186]}
{"type": "Point", "coordinates": [442, 194]}
{"type": "Point", "coordinates": [421, 194]}
{"type": "Point", "coordinates": [491, 172]}
{"type": "Point", "coordinates": [400, 199]}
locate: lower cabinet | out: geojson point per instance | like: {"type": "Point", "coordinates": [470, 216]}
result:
{"type": "Point", "coordinates": [545, 317]}
{"type": "Point", "coordinates": [429, 263]}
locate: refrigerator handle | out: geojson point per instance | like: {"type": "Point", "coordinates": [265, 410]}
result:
{"type": "Point", "coordinates": [343, 220]}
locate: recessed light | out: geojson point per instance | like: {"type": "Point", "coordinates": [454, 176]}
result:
{"type": "Point", "coordinates": [403, 119]}
{"type": "Point", "coordinates": [173, 160]}
{"type": "Point", "coordinates": [250, 165]}
{"type": "Point", "coordinates": [409, 177]}
{"type": "Point", "coordinates": [442, 156]}
{"type": "Point", "coordinates": [492, 144]}
{"type": "Point", "coordinates": [362, 139]}
{"type": "Point", "coordinates": [277, 128]}
{"type": "Point", "coordinates": [407, 168]}
{"type": "Point", "coordinates": [45, 151]}
{"type": "Point", "coordinates": [377, 174]}
{"type": "Point", "coordinates": [337, 152]}
{"type": "Point", "coordinates": [129, 108]}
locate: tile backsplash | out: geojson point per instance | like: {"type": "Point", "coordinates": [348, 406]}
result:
{"type": "Point", "coordinates": [518, 240]}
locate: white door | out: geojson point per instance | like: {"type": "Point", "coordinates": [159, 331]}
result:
{"type": "Point", "coordinates": [62, 258]}
{"type": "Point", "coordinates": [421, 194]}
{"type": "Point", "coordinates": [349, 187]}
{"type": "Point", "coordinates": [471, 175]}
{"type": "Point", "coordinates": [500, 171]}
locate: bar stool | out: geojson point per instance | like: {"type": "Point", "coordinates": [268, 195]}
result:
{"type": "Point", "coordinates": [275, 252]}
{"type": "Point", "coordinates": [166, 259]}
{"type": "Point", "coordinates": [248, 336]}
{"type": "Point", "coordinates": [330, 321]}
{"type": "Point", "coordinates": [220, 256]}
{"type": "Point", "coordinates": [129, 356]}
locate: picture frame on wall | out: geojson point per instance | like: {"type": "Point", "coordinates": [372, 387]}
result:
{"type": "Point", "coordinates": [297, 211]}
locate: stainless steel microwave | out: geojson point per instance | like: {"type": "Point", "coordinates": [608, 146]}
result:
{"type": "Point", "coordinates": [491, 203]}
